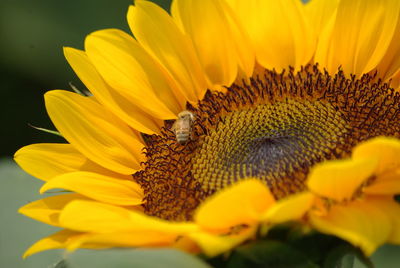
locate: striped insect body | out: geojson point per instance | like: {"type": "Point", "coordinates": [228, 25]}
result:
{"type": "Point", "coordinates": [183, 127]}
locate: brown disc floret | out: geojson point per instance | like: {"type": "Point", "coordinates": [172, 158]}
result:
{"type": "Point", "coordinates": [274, 127]}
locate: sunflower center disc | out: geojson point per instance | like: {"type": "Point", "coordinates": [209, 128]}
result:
{"type": "Point", "coordinates": [274, 142]}
{"type": "Point", "coordinates": [276, 127]}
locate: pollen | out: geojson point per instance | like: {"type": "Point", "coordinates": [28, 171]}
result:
{"type": "Point", "coordinates": [274, 127]}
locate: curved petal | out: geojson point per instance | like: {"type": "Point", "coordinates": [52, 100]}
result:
{"type": "Point", "coordinates": [291, 208]}
{"type": "Point", "coordinates": [386, 184]}
{"type": "Point", "coordinates": [48, 209]}
{"type": "Point", "coordinates": [390, 63]}
{"type": "Point", "coordinates": [242, 203]}
{"type": "Point", "coordinates": [124, 239]}
{"type": "Point", "coordinates": [159, 35]}
{"type": "Point", "coordinates": [127, 67]}
{"type": "Point", "coordinates": [279, 31]}
{"type": "Point", "coordinates": [389, 67]}
{"type": "Point", "coordinates": [89, 216]}
{"type": "Point", "coordinates": [392, 210]}
{"type": "Point", "coordinates": [99, 187]}
{"type": "Point", "coordinates": [339, 179]}
{"type": "Point", "coordinates": [128, 111]}
{"type": "Point", "coordinates": [184, 243]}
{"type": "Point", "coordinates": [47, 160]}
{"type": "Point", "coordinates": [385, 149]}
{"type": "Point", "coordinates": [221, 44]}
{"type": "Point", "coordinates": [319, 13]}
{"type": "Point", "coordinates": [360, 35]}
{"type": "Point", "coordinates": [360, 223]}
{"type": "Point", "coordinates": [95, 132]}
{"type": "Point", "coordinates": [213, 245]}
{"type": "Point", "coordinates": [54, 241]}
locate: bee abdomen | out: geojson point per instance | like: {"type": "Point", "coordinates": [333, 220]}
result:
{"type": "Point", "coordinates": [182, 137]}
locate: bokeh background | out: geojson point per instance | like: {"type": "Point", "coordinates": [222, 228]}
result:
{"type": "Point", "coordinates": [32, 62]}
{"type": "Point", "coordinates": [32, 34]}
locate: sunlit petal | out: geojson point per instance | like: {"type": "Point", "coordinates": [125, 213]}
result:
{"type": "Point", "coordinates": [279, 31]}
{"type": "Point", "coordinates": [98, 135]}
{"type": "Point", "coordinates": [103, 218]}
{"type": "Point", "coordinates": [213, 245]}
{"type": "Point", "coordinates": [362, 224]}
{"type": "Point", "coordinates": [291, 208]}
{"type": "Point", "coordinates": [385, 149]}
{"type": "Point", "coordinates": [99, 187]}
{"type": "Point", "coordinates": [341, 178]}
{"type": "Point", "coordinates": [360, 36]}
{"type": "Point", "coordinates": [242, 203]}
{"type": "Point", "coordinates": [48, 209]}
{"type": "Point", "coordinates": [214, 31]}
{"type": "Point", "coordinates": [128, 68]}
{"type": "Point", "coordinates": [128, 111]}
{"type": "Point", "coordinates": [57, 240]}
{"type": "Point", "coordinates": [155, 30]}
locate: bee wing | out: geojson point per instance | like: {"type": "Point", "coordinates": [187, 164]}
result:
{"type": "Point", "coordinates": [182, 124]}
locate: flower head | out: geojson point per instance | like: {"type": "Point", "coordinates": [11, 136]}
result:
{"type": "Point", "coordinates": [274, 89]}
{"type": "Point", "coordinates": [354, 198]}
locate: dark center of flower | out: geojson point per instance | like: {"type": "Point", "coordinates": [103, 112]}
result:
{"type": "Point", "coordinates": [276, 142]}
{"type": "Point", "coordinates": [275, 128]}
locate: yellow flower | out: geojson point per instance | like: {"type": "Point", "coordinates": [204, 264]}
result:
{"type": "Point", "coordinates": [358, 204]}
{"type": "Point", "coordinates": [251, 73]}
{"type": "Point", "coordinates": [98, 224]}
{"type": "Point", "coordinates": [354, 198]}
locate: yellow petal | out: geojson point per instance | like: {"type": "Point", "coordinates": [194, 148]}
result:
{"type": "Point", "coordinates": [242, 203]}
{"type": "Point", "coordinates": [159, 35]}
{"type": "Point", "coordinates": [385, 184]}
{"type": "Point", "coordinates": [124, 239]}
{"type": "Point", "coordinates": [213, 245]}
{"type": "Point", "coordinates": [220, 42]}
{"type": "Point", "coordinates": [184, 243]}
{"type": "Point", "coordinates": [47, 160]}
{"type": "Point", "coordinates": [57, 240]}
{"type": "Point", "coordinates": [128, 68]}
{"type": "Point", "coordinates": [340, 179]}
{"type": "Point", "coordinates": [392, 210]}
{"type": "Point", "coordinates": [360, 223]}
{"type": "Point", "coordinates": [99, 187]}
{"type": "Point", "coordinates": [48, 209]}
{"type": "Point", "coordinates": [94, 131]}
{"type": "Point", "coordinates": [389, 67]}
{"type": "Point", "coordinates": [360, 36]}
{"type": "Point", "coordinates": [290, 208]}
{"type": "Point", "coordinates": [279, 31]}
{"type": "Point", "coordinates": [319, 13]}
{"type": "Point", "coordinates": [103, 218]}
{"type": "Point", "coordinates": [385, 149]}
{"type": "Point", "coordinates": [128, 111]}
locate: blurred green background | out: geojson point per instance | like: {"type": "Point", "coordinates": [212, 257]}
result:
{"type": "Point", "coordinates": [31, 63]}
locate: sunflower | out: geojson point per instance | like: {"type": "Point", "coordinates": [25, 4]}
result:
{"type": "Point", "coordinates": [352, 198]}
{"type": "Point", "coordinates": [363, 211]}
{"type": "Point", "coordinates": [280, 96]}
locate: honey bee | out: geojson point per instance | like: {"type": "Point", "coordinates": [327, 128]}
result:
{"type": "Point", "coordinates": [183, 127]}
